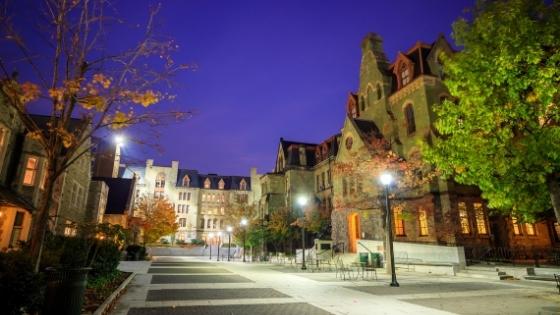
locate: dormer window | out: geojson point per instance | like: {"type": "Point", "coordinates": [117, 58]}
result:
{"type": "Point", "coordinates": [160, 180]}
{"type": "Point", "coordinates": [207, 183]}
{"type": "Point", "coordinates": [186, 181]}
{"type": "Point", "coordinates": [221, 184]}
{"type": "Point", "coordinates": [405, 74]}
{"type": "Point", "coordinates": [243, 184]}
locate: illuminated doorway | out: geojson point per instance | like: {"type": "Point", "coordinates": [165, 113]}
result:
{"type": "Point", "coordinates": [353, 232]}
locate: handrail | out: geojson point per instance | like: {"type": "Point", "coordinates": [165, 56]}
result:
{"type": "Point", "coordinates": [364, 246]}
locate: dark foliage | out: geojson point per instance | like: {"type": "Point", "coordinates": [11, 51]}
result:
{"type": "Point", "coordinates": [20, 287]}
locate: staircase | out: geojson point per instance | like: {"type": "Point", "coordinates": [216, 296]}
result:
{"type": "Point", "coordinates": [480, 272]}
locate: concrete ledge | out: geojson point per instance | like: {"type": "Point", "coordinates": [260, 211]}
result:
{"type": "Point", "coordinates": [106, 305]}
{"type": "Point", "coordinates": [436, 268]}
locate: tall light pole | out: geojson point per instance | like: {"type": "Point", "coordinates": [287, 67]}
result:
{"type": "Point", "coordinates": [119, 143]}
{"type": "Point", "coordinates": [243, 224]}
{"type": "Point", "coordinates": [229, 229]}
{"type": "Point", "coordinates": [210, 236]}
{"type": "Point", "coordinates": [302, 201]}
{"type": "Point", "coordinates": [219, 237]}
{"type": "Point", "coordinates": [387, 179]}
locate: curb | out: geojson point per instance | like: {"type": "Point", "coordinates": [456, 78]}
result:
{"type": "Point", "coordinates": [108, 303]}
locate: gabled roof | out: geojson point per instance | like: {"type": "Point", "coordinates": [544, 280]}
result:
{"type": "Point", "coordinates": [367, 128]}
{"type": "Point", "coordinates": [197, 180]}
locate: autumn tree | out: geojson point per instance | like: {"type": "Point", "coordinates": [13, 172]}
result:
{"type": "Point", "coordinates": [155, 217]}
{"type": "Point", "coordinates": [86, 88]}
{"type": "Point", "coordinates": [501, 132]}
{"type": "Point", "coordinates": [280, 228]}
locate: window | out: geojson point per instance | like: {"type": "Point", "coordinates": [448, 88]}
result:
{"type": "Point", "coordinates": [480, 219]}
{"type": "Point", "coordinates": [423, 222]}
{"type": "Point", "coordinates": [30, 173]}
{"type": "Point", "coordinates": [353, 111]}
{"type": "Point", "coordinates": [160, 180]}
{"type": "Point", "coordinates": [74, 194]}
{"type": "Point", "coordinates": [516, 227]}
{"type": "Point", "coordinates": [201, 223]}
{"type": "Point", "coordinates": [530, 228]}
{"type": "Point", "coordinates": [182, 222]}
{"type": "Point", "coordinates": [186, 181]}
{"type": "Point", "coordinates": [344, 187]}
{"type": "Point", "coordinates": [221, 184]}
{"type": "Point", "coordinates": [208, 223]}
{"type": "Point", "coordinates": [409, 116]}
{"type": "Point", "coordinates": [379, 91]}
{"type": "Point", "coordinates": [322, 180]}
{"type": "Point", "coordinates": [189, 196]}
{"type": "Point", "coordinates": [70, 228]}
{"type": "Point", "coordinates": [302, 156]}
{"type": "Point", "coordinates": [243, 185]}
{"type": "Point", "coordinates": [222, 210]}
{"type": "Point", "coordinates": [214, 223]}
{"type": "Point", "coordinates": [221, 223]}
{"type": "Point", "coordinates": [464, 218]}
{"type": "Point", "coordinates": [399, 223]}
{"type": "Point", "coordinates": [329, 177]}
{"type": "Point", "coordinates": [207, 183]}
{"type": "Point", "coordinates": [16, 229]}
{"type": "Point", "coordinates": [318, 182]}
{"type": "Point", "coordinates": [405, 74]}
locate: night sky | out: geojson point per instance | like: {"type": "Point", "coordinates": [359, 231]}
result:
{"type": "Point", "coordinates": [271, 69]}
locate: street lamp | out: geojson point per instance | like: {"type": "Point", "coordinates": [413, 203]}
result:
{"type": "Point", "coordinates": [229, 229]}
{"type": "Point", "coordinates": [219, 244]}
{"type": "Point", "coordinates": [119, 140]}
{"type": "Point", "coordinates": [386, 180]}
{"type": "Point", "coordinates": [210, 236]}
{"type": "Point", "coordinates": [302, 201]}
{"type": "Point", "coordinates": [243, 224]}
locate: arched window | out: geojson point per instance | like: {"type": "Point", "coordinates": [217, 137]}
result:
{"type": "Point", "coordinates": [353, 111]}
{"type": "Point", "coordinates": [405, 74]}
{"type": "Point", "coordinates": [221, 184]}
{"type": "Point", "coordinates": [409, 116]}
{"type": "Point", "coordinates": [160, 180]}
{"type": "Point", "coordinates": [207, 183]}
{"type": "Point", "coordinates": [243, 184]}
{"type": "Point", "coordinates": [379, 91]}
{"type": "Point", "coordinates": [214, 223]}
{"type": "Point", "coordinates": [186, 181]}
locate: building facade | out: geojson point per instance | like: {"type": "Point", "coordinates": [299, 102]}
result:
{"type": "Point", "coordinates": [201, 201]}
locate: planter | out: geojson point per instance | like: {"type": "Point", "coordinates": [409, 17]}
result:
{"type": "Point", "coordinates": [65, 291]}
{"type": "Point", "coordinates": [106, 306]}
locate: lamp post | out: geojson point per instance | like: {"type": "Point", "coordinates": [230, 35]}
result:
{"type": "Point", "coordinates": [219, 237]}
{"type": "Point", "coordinates": [387, 179]}
{"type": "Point", "coordinates": [210, 236]}
{"type": "Point", "coordinates": [244, 223]}
{"type": "Point", "coordinates": [302, 201]}
{"type": "Point", "coordinates": [229, 229]}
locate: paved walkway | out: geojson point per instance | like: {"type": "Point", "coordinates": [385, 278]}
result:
{"type": "Point", "coordinates": [194, 285]}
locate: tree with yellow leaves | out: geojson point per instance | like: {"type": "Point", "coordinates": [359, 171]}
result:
{"type": "Point", "coordinates": [156, 218]}
{"type": "Point", "coordinates": [84, 82]}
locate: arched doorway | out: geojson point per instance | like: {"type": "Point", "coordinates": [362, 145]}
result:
{"type": "Point", "coordinates": [353, 231]}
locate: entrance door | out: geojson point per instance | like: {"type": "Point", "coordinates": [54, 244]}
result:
{"type": "Point", "coordinates": [353, 232]}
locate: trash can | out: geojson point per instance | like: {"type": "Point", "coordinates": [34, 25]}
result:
{"type": "Point", "coordinates": [65, 291]}
{"type": "Point", "coordinates": [375, 260]}
{"type": "Point", "coordinates": [363, 258]}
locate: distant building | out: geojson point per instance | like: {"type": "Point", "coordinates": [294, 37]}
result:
{"type": "Point", "coordinates": [200, 200]}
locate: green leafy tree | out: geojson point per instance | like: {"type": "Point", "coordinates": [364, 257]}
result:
{"type": "Point", "coordinates": [501, 133]}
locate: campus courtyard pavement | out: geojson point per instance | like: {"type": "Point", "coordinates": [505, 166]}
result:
{"type": "Point", "coordinates": [196, 285]}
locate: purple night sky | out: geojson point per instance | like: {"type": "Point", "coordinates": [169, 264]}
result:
{"type": "Point", "coordinates": [271, 69]}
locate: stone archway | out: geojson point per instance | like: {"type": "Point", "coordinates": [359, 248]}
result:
{"type": "Point", "coordinates": [353, 231]}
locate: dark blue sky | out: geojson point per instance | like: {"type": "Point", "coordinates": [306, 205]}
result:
{"type": "Point", "coordinates": [271, 69]}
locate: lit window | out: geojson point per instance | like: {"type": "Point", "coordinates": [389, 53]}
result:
{"type": "Point", "coordinates": [515, 224]}
{"type": "Point", "coordinates": [160, 180]}
{"type": "Point", "coordinates": [30, 171]}
{"type": "Point", "coordinates": [480, 219]}
{"type": "Point", "coordinates": [405, 75]}
{"type": "Point", "coordinates": [530, 228]}
{"type": "Point", "coordinates": [16, 229]}
{"type": "Point", "coordinates": [399, 223]}
{"type": "Point", "coordinates": [207, 183]}
{"type": "Point", "coordinates": [409, 116]}
{"type": "Point", "coordinates": [464, 218]}
{"type": "Point", "coordinates": [186, 181]}
{"type": "Point", "coordinates": [69, 228]}
{"type": "Point", "coordinates": [221, 184]}
{"type": "Point", "coordinates": [557, 230]}
{"type": "Point", "coordinates": [243, 185]}
{"type": "Point", "coordinates": [423, 221]}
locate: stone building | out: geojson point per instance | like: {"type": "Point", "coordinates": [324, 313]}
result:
{"type": "Point", "coordinates": [200, 200]}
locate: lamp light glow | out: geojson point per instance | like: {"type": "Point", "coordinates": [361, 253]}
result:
{"type": "Point", "coordinates": [386, 179]}
{"type": "Point", "coordinates": [210, 235]}
{"type": "Point", "coordinates": [229, 229]}
{"type": "Point", "coordinates": [119, 140]}
{"type": "Point", "coordinates": [244, 222]}
{"type": "Point", "coordinates": [302, 200]}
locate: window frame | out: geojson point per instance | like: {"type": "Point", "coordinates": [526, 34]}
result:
{"type": "Point", "coordinates": [29, 170]}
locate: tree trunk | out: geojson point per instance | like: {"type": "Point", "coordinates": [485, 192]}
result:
{"type": "Point", "coordinates": [553, 183]}
{"type": "Point", "coordinates": [41, 220]}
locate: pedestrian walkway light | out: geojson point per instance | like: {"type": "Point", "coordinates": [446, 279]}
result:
{"type": "Point", "coordinates": [210, 236]}
{"type": "Point", "coordinates": [302, 202]}
{"type": "Point", "coordinates": [229, 229]}
{"type": "Point", "coordinates": [219, 238]}
{"type": "Point", "coordinates": [386, 180]}
{"type": "Point", "coordinates": [244, 224]}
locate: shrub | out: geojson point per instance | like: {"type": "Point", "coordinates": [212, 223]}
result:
{"type": "Point", "coordinates": [196, 241]}
{"type": "Point", "coordinates": [105, 258]}
{"type": "Point", "coordinates": [20, 287]}
{"type": "Point", "coordinates": [180, 242]}
{"type": "Point", "coordinates": [135, 252]}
